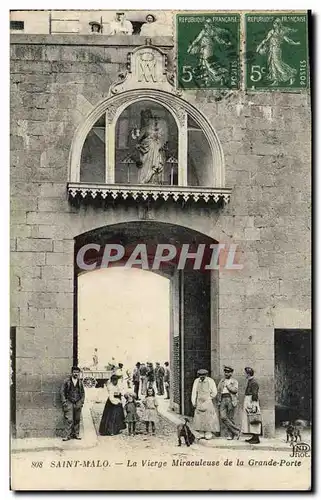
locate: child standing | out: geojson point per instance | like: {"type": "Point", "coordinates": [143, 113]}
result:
{"type": "Point", "coordinates": [131, 414]}
{"type": "Point", "coordinates": [151, 410]}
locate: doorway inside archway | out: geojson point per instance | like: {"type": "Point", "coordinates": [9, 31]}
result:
{"type": "Point", "coordinates": [123, 317]}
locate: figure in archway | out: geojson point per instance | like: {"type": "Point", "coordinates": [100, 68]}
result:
{"type": "Point", "coordinates": [151, 146]}
{"type": "Point", "coordinates": [278, 70]}
{"type": "Point", "coordinates": [95, 358]}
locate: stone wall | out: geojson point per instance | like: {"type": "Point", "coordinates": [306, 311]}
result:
{"type": "Point", "coordinates": [55, 82]}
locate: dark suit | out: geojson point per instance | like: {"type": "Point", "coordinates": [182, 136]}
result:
{"type": "Point", "coordinates": [160, 373]}
{"type": "Point", "coordinates": [72, 397]}
{"type": "Point", "coordinates": [136, 380]}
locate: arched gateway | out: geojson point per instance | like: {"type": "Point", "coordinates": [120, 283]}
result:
{"type": "Point", "coordinates": [142, 147]}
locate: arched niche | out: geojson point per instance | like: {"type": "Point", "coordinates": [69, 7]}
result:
{"type": "Point", "coordinates": [146, 131]}
{"type": "Point", "coordinates": [200, 160]}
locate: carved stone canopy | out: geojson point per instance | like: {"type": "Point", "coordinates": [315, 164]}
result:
{"type": "Point", "coordinates": [147, 67]}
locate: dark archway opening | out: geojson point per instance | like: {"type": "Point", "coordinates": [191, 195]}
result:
{"type": "Point", "coordinates": [293, 374]}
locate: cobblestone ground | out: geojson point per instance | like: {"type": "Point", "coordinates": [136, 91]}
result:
{"type": "Point", "coordinates": [156, 463]}
{"type": "Point", "coordinates": [165, 433]}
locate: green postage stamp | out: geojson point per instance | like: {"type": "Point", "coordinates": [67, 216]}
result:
{"type": "Point", "coordinates": [208, 51]}
{"type": "Point", "coordinates": [276, 51]}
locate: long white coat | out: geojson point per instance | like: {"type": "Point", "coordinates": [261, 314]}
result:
{"type": "Point", "coordinates": [212, 386]}
{"type": "Point", "coordinates": [205, 415]}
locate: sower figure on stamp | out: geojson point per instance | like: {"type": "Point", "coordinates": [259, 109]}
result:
{"type": "Point", "coordinates": [227, 393]}
{"type": "Point", "coordinates": [73, 398]}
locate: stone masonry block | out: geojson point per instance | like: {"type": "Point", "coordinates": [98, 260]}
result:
{"type": "Point", "coordinates": [50, 300]}
{"type": "Point", "coordinates": [20, 230]}
{"type": "Point", "coordinates": [252, 234]}
{"type": "Point", "coordinates": [231, 301]}
{"type": "Point", "coordinates": [25, 342]}
{"type": "Point", "coordinates": [28, 382]}
{"type": "Point", "coordinates": [14, 316]}
{"type": "Point", "coordinates": [57, 272]}
{"type": "Point", "coordinates": [50, 333]}
{"type": "Point", "coordinates": [59, 259]}
{"type": "Point", "coordinates": [52, 190]}
{"type": "Point", "coordinates": [35, 420]}
{"type": "Point", "coordinates": [64, 246]}
{"type": "Point", "coordinates": [26, 272]}
{"type": "Point", "coordinates": [248, 333]}
{"type": "Point", "coordinates": [52, 219]}
{"type": "Point", "coordinates": [27, 52]}
{"type": "Point", "coordinates": [30, 67]}
{"type": "Point", "coordinates": [16, 142]}
{"type": "Point", "coordinates": [52, 231]}
{"type": "Point", "coordinates": [62, 365]}
{"type": "Point", "coordinates": [42, 285]}
{"type": "Point", "coordinates": [31, 316]}
{"type": "Point", "coordinates": [23, 203]}
{"type": "Point", "coordinates": [246, 351]}
{"type": "Point", "coordinates": [26, 259]}
{"type": "Point", "coordinates": [51, 383]}
{"type": "Point", "coordinates": [18, 217]}
{"type": "Point", "coordinates": [59, 317]}
{"type": "Point", "coordinates": [34, 245]}
{"type": "Point", "coordinates": [24, 367]}
{"type": "Point", "coordinates": [19, 298]}
{"type": "Point", "coordinates": [28, 400]}
{"type": "Point", "coordinates": [53, 204]}
{"type": "Point", "coordinates": [57, 348]}
{"type": "Point", "coordinates": [13, 244]}
{"type": "Point", "coordinates": [257, 301]}
{"type": "Point", "coordinates": [51, 174]}
{"type": "Point", "coordinates": [258, 317]}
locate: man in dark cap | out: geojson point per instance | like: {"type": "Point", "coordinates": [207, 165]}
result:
{"type": "Point", "coordinates": [73, 398]}
{"type": "Point", "coordinates": [227, 399]}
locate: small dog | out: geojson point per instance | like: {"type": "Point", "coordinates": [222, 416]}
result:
{"type": "Point", "coordinates": [293, 433]}
{"type": "Point", "coordinates": [184, 431]}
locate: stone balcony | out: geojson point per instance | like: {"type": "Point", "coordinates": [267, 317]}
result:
{"type": "Point", "coordinates": [148, 192]}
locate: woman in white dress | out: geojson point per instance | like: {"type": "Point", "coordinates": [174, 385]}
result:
{"type": "Point", "coordinates": [148, 28]}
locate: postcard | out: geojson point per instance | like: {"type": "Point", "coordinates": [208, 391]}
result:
{"type": "Point", "coordinates": [160, 331]}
